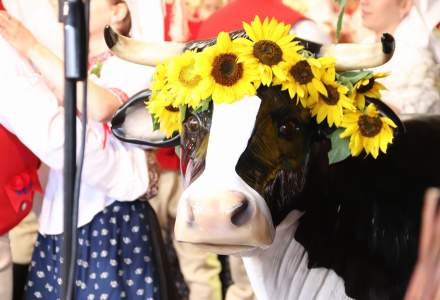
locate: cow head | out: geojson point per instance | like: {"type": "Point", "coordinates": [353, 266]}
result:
{"type": "Point", "coordinates": [234, 158]}
{"type": "Point", "coordinates": [245, 165]}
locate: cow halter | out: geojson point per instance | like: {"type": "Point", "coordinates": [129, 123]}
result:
{"type": "Point", "coordinates": [232, 69]}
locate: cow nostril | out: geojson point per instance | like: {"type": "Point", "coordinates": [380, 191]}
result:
{"type": "Point", "coordinates": [240, 214]}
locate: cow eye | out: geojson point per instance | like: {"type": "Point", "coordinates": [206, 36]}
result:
{"type": "Point", "coordinates": [192, 124]}
{"type": "Point", "coordinates": [287, 129]}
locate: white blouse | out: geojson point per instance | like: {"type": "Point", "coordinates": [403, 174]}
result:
{"type": "Point", "coordinates": [30, 110]}
{"type": "Point", "coordinates": [414, 83]}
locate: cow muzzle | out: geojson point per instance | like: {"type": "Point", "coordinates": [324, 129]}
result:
{"type": "Point", "coordinates": [224, 222]}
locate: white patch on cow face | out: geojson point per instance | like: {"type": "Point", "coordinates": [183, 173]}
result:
{"type": "Point", "coordinates": [209, 204]}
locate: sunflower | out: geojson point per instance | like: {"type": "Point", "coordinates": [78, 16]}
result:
{"type": "Point", "coordinates": [160, 79]}
{"type": "Point", "coordinates": [332, 107]}
{"type": "Point", "coordinates": [328, 69]}
{"type": "Point", "coordinates": [223, 77]}
{"type": "Point", "coordinates": [270, 43]}
{"type": "Point", "coordinates": [165, 113]}
{"type": "Point", "coordinates": [183, 79]}
{"type": "Point", "coordinates": [368, 131]}
{"type": "Point", "coordinates": [302, 78]}
{"type": "Point", "coordinates": [367, 87]}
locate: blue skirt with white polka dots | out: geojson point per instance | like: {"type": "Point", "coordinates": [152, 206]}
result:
{"type": "Point", "coordinates": [114, 258]}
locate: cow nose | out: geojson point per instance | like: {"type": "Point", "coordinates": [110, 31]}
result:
{"type": "Point", "coordinates": [240, 215]}
{"type": "Point", "coordinates": [227, 208]}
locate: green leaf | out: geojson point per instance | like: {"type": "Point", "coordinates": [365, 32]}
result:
{"type": "Point", "coordinates": [340, 149]}
{"type": "Point", "coordinates": [344, 81]}
{"type": "Point", "coordinates": [355, 76]}
{"type": "Point", "coordinates": [307, 53]}
{"type": "Point", "coordinates": [340, 17]}
{"type": "Point", "coordinates": [350, 78]}
{"type": "Point", "coordinates": [97, 69]}
{"type": "Point", "coordinates": [156, 124]}
{"type": "Point", "coordinates": [204, 105]}
{"type": "Point", "coordinates": [182, 112]}
{"type": "Point", "coordinates": [177, 150]}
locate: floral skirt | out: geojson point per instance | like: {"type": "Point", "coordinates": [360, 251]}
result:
{"type": "Point", "coordinates": [114, 258]}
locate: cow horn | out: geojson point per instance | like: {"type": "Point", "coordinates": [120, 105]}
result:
{"type": "Point", "coordinates": [360, 56]}
{"type": "Point", "coordinates": [140, 52]}
{"type": "Point", "coordinates": [348, 56]}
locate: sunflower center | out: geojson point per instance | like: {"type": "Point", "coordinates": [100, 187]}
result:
{"type": "Point", "coordinates": [302, 72]}
{"type": "Point", "coordinates": [333, 95]}
{"type": "Point", "coordinates": [268, 52]}
{"type": "Point", "coordinates": [188, 78]}
{"type": "Point", "coordinates": [369, 126]}
{"type": "Point", "coordinates": [172, 108]}
{"type": "Point", "coordinates": [365, 88]}
{"type": "Point", "coordinates": [226, 70]}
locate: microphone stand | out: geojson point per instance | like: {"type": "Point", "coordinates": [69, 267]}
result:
{"type": "Point", "coordinates": [75, 70]}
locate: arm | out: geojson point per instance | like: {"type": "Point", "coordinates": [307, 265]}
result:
{"type": "Point", "coordinates": [101, 102]}
{"type": "Point", "coordinates": [31, 111]}
{"type": "Point", "coordinates": [424, 283]}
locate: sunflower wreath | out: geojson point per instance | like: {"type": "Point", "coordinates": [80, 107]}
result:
{"type": "Point", "coordinates": [231, 69]}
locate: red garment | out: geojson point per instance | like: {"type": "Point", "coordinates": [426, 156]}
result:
{"type": "Point", "coordinates": [18, 180]}
{"type": "Point", "coordinates": [1, 5]}
{"type": "Point", "coordinates": [168, 160]}
{"type": "Point", "coordinates": [193, 27]}
{"type": "Point", "coordinates": [167, 21]}
{"type": "Point", "coordinates": [231, 17]}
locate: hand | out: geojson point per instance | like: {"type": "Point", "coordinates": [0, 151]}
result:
{"type": "Point", "coordinates": [16, 34]}
{"type": "Point", "coordinates": [425, 280]}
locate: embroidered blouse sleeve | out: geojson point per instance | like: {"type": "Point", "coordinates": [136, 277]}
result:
{"type": "Point", "coordinates": [30, 110]}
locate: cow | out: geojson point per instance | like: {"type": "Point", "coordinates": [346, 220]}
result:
{"type": "Point", "coordinates": [258, 183]}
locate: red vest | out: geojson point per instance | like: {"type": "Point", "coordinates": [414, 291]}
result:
{"type": "Point", "coordinates": [18, 180]}
{"type": "Point", "coordinates": [231, 17]}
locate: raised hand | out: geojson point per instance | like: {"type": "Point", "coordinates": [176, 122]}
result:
{"type": "Point", "coordinates": [425, 281]}
{"type": "Point", "coordinates": [16, 34]}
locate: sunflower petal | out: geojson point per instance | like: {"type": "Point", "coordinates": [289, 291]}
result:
{"type": "Point", "coordinates": [250, 31]}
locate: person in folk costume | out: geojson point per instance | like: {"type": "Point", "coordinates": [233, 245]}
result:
{"type": "Point", "coordinates": [116, 257]}
{"type": "Point", "coordinates": [230, 18]}
{"type": "Point", "coordinates": [200, 269]}
{"type": "Point", "coordinates": [429, 11]}
{"type": "Point", "coordinates": [414, 84]}
{"type": "Point", "coordinates": [183, 18]}
{"type": "Point", "coordinates": [18, 183]}
{"type": "Point", "coordinates": [23, 236]}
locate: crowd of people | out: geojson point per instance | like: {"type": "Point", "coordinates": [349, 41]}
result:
{"type": "Point", "coordinates": [116, 256]}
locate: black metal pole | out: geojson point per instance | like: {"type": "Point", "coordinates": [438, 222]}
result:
{"type": "Point", "coordinates": [75, 69]}
{"type": "Point", "coordinates": [69, 182]}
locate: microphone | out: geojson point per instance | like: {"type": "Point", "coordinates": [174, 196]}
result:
{"type": "Point", "coordinates": [75, 52]}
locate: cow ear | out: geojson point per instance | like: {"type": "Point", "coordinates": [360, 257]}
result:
{"type": "Point", "coordinates": [339, 149]}
{"type": "Point", "coordinates": [133, 124]}
{"type": "Point", "coordinates": [388, 112]}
